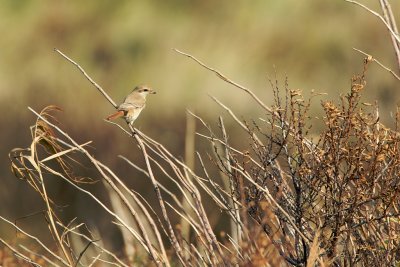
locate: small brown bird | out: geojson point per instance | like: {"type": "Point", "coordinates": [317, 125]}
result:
{"type": "Point", "coordinates": [133, 104]}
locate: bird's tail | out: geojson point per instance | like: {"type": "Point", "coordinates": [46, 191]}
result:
{"type": "Point", "coordinates": [116, 115]}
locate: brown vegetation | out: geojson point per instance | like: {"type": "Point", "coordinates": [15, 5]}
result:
{"type": "Point", "coordinates": [292, 198]}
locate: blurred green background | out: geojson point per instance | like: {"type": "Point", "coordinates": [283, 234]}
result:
{"type": "Point", "coordinates": [125, 43]}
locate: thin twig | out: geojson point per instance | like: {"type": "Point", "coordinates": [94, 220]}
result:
{"type": "Point", "coordinates": [19, 254]}
{"type": "Point", "coordinates": [254, 96]}
{"type": "Point", "coordinates": [172, 235]}
{"type": "Point", "coordinates": [83, 251]}
{"type": "Point", "coordinates": [145, 213]}
{"type": "Point", "coordinates": [226, 79]}
{"type": "Point", "coordinates": [214, 244]}
{"type": "Point", "coordinates": [371, 58]}
{"type": "Point", "coordinates": [98, 87]}
{"type": "Point", "coordinates": [72, 230]}
{"type": "Point", "coordinates": [39, 255]}
{"type": "Point", "coordinates": [237, 120]}
{"type": "Point", "coordinates": [101, 90]}
{"type": "Point", "coordinates": [388, 15]}
{"type": "Point", "coordinates": [37, 240]}
{"type": "Point", "coordinates": [378, 16]}
{"type": "Point", "coordinates": [34, 160]}
{"type": "Point", "coordinates": [236, 230]}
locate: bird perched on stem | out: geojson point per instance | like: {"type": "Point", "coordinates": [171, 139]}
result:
{"type": "Point", "coordinates": [133, 104]}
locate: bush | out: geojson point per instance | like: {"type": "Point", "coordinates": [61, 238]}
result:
{"type": "Point", "coordinates": [290, 200]}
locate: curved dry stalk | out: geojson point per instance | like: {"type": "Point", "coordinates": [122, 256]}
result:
{"type": "Point", "coordinates": [147, 243]}
{"type": "Point", "coordinates": [34, 159]}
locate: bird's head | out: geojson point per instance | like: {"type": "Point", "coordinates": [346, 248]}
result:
{"type": "Point", "coordinates": [144, 90]}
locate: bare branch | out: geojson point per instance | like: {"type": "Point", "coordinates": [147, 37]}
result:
{"type": "Point", "coordinates": [389, 18]}
{"type": "Point", "coordinates": [36, 240]}
{"type": "Point", "coordinates": [371, 58]}
{"type": "Point", "coordinates": [101, 90]}
{"type": "Point", "coordinates": [224, 78]}
{"type": "Point", "coordinates": [392, 33]}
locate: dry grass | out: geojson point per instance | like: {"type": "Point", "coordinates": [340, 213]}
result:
{"type": "Point", "coordinates": [290, 199]}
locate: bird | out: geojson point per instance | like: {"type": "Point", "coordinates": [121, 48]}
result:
{"type": "Point", "coordinates": [133, 104]}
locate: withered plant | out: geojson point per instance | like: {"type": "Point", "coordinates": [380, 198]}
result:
{"type": "Point", "coordinates": [290, 196]}
{"type": "Point", "coordinates": [291, 200]}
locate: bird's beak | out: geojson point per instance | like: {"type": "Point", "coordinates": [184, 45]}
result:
{"type": "Point", "coordinates": [153, 92]}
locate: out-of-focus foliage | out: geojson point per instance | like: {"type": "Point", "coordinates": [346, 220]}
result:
{"type": "Point", "coordinates": [123, 43]}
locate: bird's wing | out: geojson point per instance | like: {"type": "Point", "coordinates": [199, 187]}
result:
{"type": "Point", "coordinates": [127, 106]}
